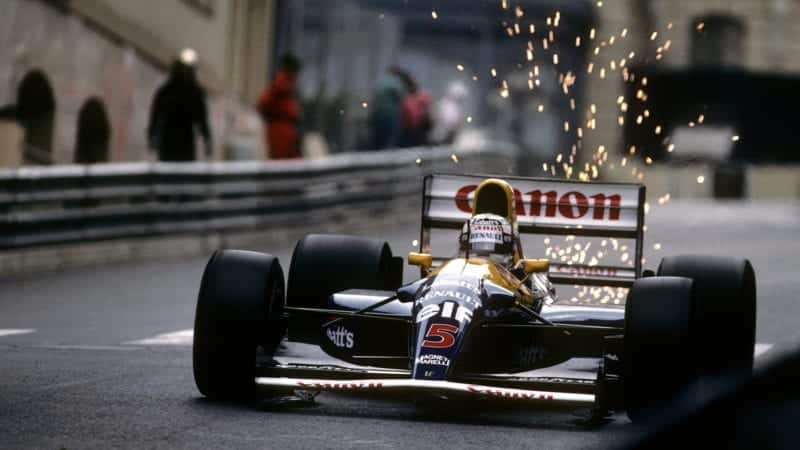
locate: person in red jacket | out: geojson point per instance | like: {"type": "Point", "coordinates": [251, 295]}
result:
{"type": "Point", "coordinates": [280, 110]}
{"type": "Point", "coordinates": [417, 122]}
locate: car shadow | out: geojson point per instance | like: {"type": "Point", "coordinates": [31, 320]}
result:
{"type": "Point", "coordinates": [516, 414]}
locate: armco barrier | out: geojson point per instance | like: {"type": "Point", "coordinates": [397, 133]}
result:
{"type": "Point", "coordinates": [109, 206]}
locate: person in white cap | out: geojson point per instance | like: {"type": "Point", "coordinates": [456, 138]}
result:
{"type": "Point", "coordinates": [178, 111]}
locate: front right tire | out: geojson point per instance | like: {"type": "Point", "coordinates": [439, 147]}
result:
{"type": "Point", "coordinates": [725, 311]}
{"type": "Point", "coordinates": [323, 264]}
{"type": "Point", "coordinates": [658, 356]}
{"type": "Point", "coordinates": [693, 322]}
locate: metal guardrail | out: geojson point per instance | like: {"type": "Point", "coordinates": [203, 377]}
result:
{"type": "Point", "coordinates": [75, 203]}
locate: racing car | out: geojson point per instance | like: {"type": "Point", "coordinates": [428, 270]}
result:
{"type": "Point", "coordinates": [480, 321]}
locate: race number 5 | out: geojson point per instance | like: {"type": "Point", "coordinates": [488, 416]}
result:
{"type": "Point", "coordinates": [443, 334]}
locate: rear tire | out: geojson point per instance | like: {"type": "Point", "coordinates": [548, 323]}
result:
{"type": "Point", "coordinates": [238, 308]}
{"type": "Point", "coordinates": [323, 264]}
{"type": "Point", "coordinates": [725, 310]}
{"type": "Point", "coordinates": [658, 356]}
{"type": "Point", "coordinates": [326, 263]}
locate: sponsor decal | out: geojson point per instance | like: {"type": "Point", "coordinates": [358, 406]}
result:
{"type": "Point", "coordinates": [345, 385]}
{"type": "Point", "coordinates": [558, 380]}
{"type": "Point", "coordinates": [586, 271]}
{"type": "Point", "coordinates": [340, 336]}
{"type": "Point", "coordinates": [440, 335]}
{"type": "Point", "coordinates": [442, 282]}
{"type": "Point", "coordinates": [484, 236]}
{"type": "Point", "coordinates": [529, 355]}
{"type": "Point", "coordinates": [486, 231]}
{"type": "Point", "coordinates": [434, 360]}
{"type": "Point", "coordinates": [447, 310]}
{"type": "Point", "coordinates": [486, 226]}
{"type": "Point", "coordinates": [323, 367]}
{"type": "Point", "coordinates": [569, 205]}
{"type": "Point", "coordinates": [508, 393]}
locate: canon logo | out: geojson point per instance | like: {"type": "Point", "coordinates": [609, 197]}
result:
{"type": "Point", "coordinates": [570, 205]}
{"type": "Point", "coordinates": [587, 271]}
{"type": "Point", "coordinates": [504, 393]}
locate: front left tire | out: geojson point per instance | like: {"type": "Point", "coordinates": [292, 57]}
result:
{"type": "Point", "coordinates": [239, 307]}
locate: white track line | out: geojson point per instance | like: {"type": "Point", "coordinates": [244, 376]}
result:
{"type": "Point", "coordinates": [181, 337]}
{"type": "Point", "coordinates": [15, 331]}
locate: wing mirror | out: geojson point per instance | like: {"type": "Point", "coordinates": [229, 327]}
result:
{"type": "Point", "coordinates": [408, 293]}
{"type": "Point", "coordinates": [535, 265]}
{"type": "Point", "coordinates": [423, 260]}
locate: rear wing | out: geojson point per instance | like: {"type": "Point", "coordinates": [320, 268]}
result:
{"type": "Point", "coordinates": [548, 207]}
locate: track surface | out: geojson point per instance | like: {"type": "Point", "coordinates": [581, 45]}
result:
{"type": "Point", "coordinates": [100, 357]}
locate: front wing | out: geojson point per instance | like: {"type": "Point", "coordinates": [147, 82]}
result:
{"type": "Point", "coordinates": [340, 378]}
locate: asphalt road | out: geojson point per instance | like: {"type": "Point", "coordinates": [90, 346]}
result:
{"type": "Point", "coordinates": [99, 358]}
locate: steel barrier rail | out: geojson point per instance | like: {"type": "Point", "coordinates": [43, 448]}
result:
{"type": "Point", "coordinates": [74, 203]}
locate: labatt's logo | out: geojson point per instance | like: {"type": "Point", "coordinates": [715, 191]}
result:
{"type": "Point", "coordinates": [341, 337]}
{"type": "Point", "coordinates": [570, 205]}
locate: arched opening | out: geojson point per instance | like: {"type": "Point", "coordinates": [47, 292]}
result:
{"type": "Point", "coordinates": [718, 41]}
{"type": "Point", "coordinates": [94, 133]}
{"type": "Point", "coordinates": [36, 108]}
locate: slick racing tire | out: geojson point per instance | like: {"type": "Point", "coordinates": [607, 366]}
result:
{"type": "Point", "coordinates": [323, 264]}
{"type": "Point", "coordinates": [238, 309]}
{"type": "Point", "coordinates": [725, 310]}
{"type": "Point", "coordinates": [658, 357]}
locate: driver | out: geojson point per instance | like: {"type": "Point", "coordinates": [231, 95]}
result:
{"type": "Point", "coordinates": [488, 236]}
{"type": "Point", "coordinates": [492, 236]}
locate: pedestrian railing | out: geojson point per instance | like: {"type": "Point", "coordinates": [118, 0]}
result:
{"type": "Point", "coordinates": [74, 203]}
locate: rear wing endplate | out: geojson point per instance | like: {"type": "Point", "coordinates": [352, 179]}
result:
{"type": "Point", "coordinates": [550, 207]}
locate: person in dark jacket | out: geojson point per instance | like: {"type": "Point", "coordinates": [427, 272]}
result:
{"type": "Point", "coordinates": [178, 107]}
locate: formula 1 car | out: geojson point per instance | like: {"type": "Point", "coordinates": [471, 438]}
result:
{"type": "Point", "coordinates": [472, 324]}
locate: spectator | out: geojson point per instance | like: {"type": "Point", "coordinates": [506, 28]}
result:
{"type": "Point", "coordinates": [416, 121]}
{"type": "Point", "coordinates": [386, 118]}
{"type": "Point", "coordinates": [280, 110]}
{"type": "Point", "coordinates": [178, 106]}
{"type": "Point", "coordinates": [450, 114]}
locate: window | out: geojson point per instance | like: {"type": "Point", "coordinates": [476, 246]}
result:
{"type": "Point", "coordinates": [717, 41]}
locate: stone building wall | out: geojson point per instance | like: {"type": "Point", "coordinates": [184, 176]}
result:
{"type": "Point", "coordinates": [772, 30]}
{"type": "Point", "coordinates": [79, 64]}
{"type": "Point", "coordinates": [604, 86]}
{"type": "Point", "coordinates": [80, 60]}
{"type": "Point", "coordinates": [770, 44]}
